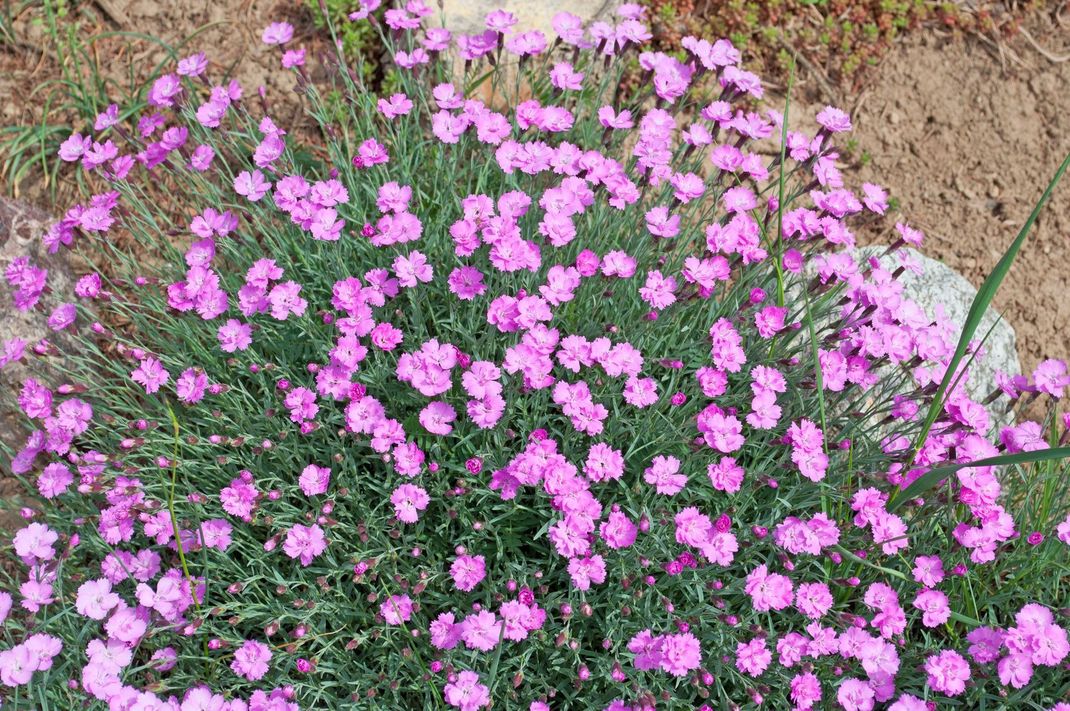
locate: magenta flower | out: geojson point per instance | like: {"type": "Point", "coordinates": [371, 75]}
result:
{"type": "Point", "coordinates": [277, 33]}
{"type": "Point", "coordinates": [251, 660]}
{"type": "Point", "coordinates": [150, 374]}
{"type": "Point", "coordinates": [467, 571]}
{"type": "Point", "coordinates": [396, 609]}
{"type": "Point", "coordinates": [314, 480]}
{"type": "Point", "coordinates": [305, 543]}
{"type": "Point", "coordinates": [466, 693]}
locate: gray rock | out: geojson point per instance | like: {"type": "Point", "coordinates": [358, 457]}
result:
{"type": "Point", "coordinates": [21, 227]}
{"type": "Point", "coordinates": [938, 285]}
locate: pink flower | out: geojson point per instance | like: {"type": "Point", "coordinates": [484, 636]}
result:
{"type": "Point", "coordinates": [285, 300]}
{"type": "Point", "coordinates": [466, 693]}
{"type": "Point", "coordinates": [739, 199]}
{"type": "Point", "coordinates": [305, 543]}
{"type": "Point", "coordinates": [151, 374]}
{"type": "Point", "coordinates": [466, 283]}
{"type": "Point", "coordinates": [252, 185]}
{"type": "Point", "coordinates": [34, 542]}
{"type": "Point", "coordinates": [251, 660]}
{"type": "Point", "coordinates": [293, 58]}
{"type": "Point", "coordinates": [909, 235]}
{"type": "Point", "coordinates": [481, 630]}
{"type": "Point", "coordinates": [985, 644]}
{"type": "Point", "coordinates": [396, 105]}
{"type": "Point", "coordinates": [768, 591]}
{"type": "Point", "coordinates": [277, 33]}
{"type": "Point", "coordinates": [680, 654]}
{"type": "Point", "coordinates": [934, 606]}
{"type": "Point", "coordinates": [408, 501]}
{"type": "Point", "coordinates": [720, 431]}
{"type": "Point", "coordinates": [1015, 670]}
{"type": "Point", "coordinates": [314, 480]}
{"type": "Point", "coordinates": [526, 43]}
{"type": "Point", "coordinates": [891, 532]}
{"type": "Point", "coordinates": [95, 599]}
{"type": "Point", "coordinates": [234, 336]}
{"type": "Point", "coordinates": [659, 290]}
{"type": "Point", "coordinates": [54, 480]}
{"type": "Point", "coordinates": [437, 416]}
{"type": "Point", "coordinates": [834, 120]}
{"type": "Point", "coordinates": [725, 475]}
{"type": "Point", "coordinates": [664, 475]}
{"type": "Point", "coordinates": [855, 695]}
{"type": "Point", "coordinates": [618, 531]}
{"type": "Point", "coordinates": [752, 658]}
{"type": "Point", "coordinates": [874, 198]}
{"type": "Point", "coordinates": [948, 672]}
{"type": "Point", "coordinates": [396, 609]}
{"type": "Point", "coordinates": [1062, 531]}
{"type": "Point", "coordinates": [467, 571]}
{"type": "Point", "coordinates": [17, 665]}
{"type": "Point", "coordinates": [445, 633]}
{"type": "Point", "coordinates": [770, 320]}
{"type": "Point", "coordinates": [412, 269]}
{"type": "Point", "coordinates": [661, 224]}
{"type": "Point", "coordinates": [813, 599]}
{"type": "Point", "coordinates": [928, 570]}
{"type": "Point", "coordinates": [605, 463]}
{"type": "Point", "coordinates": [1051, 377]}
{"type": "Point", "coordinates": [805, 690]}
{"type": "Point", "coordinates": [587, 570]}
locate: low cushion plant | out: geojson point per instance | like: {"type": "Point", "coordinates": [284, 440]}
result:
{"type": "Point", "coordinates": [514, 389]}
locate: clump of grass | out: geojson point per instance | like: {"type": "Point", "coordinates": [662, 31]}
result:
{"type": "Point", "coordinates": [78, 85]}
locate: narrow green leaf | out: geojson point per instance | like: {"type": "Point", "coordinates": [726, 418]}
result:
{"type": "Point", "coordinates": [935, 475]}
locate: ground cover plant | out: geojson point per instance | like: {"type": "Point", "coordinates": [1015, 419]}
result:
{"type": "Point", "coordinates": [516, 390]}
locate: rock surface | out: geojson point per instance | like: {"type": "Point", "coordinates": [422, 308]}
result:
{"type": "Point", "coordinates": [939, 286]}
{"type": "Point", "coordinates": [21, 227]}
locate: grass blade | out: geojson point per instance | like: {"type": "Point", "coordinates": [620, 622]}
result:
{"type": "Point", "coordinates": [937, 474]}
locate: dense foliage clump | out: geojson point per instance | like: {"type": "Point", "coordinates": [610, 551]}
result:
{"type": "Point", "coordinates": [514, 389]}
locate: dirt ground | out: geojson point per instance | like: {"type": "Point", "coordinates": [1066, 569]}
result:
{"type": "Point", "coordinates": [964, 133]}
